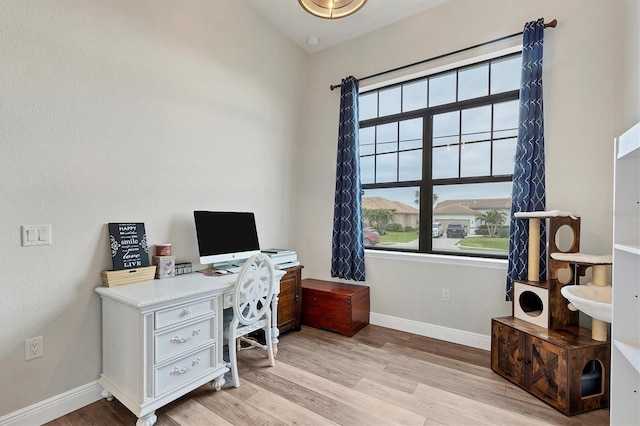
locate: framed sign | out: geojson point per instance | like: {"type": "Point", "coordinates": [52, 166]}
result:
{"type": "Point", "coordinates": [128, 243]}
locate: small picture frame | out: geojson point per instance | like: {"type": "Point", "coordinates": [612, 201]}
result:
{"type": "Point", "coordinates": [128, 244]}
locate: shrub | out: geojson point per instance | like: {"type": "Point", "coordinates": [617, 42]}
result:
{"type": "Point", "coordinates": [394, 227]}
{"type": "Point", "coordinates": [503, 232]}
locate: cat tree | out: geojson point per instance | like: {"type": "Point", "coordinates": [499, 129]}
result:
{"type": "Point", "coordinates": [541, 347]}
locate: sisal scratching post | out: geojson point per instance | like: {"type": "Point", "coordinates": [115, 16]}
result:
{"type": "Point", "coordinates": [533, 268]}
{"type": "Point", "coordinates": [598, 330]}
{"type": "Point", "coordinates": [599, 275]}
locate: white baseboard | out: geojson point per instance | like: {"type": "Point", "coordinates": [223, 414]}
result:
{"type": "Point", "coordinates": [452, 335]}
{"type": "Point", "coordinates": [54, 407]}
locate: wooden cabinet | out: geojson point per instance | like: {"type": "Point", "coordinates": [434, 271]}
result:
{"type": "Point", "coordinates": [625, 328]}
{"type": "Point", "coordinates": [290, 300]}
{"type": "Point", "coordinates": [564, 368]}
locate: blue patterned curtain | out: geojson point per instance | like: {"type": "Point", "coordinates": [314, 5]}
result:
{"type": "Point", "coordinates": [528, 192]}
{"type": "Point", "coordinates": [347, 255]}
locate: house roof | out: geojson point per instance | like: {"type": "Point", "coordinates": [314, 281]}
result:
{"type": "Point", "coordinates": [381, 203]}
{"type": "Point", "coordinates": [454, 209]}
{"type": "Point", "coordinates": [472, 206]}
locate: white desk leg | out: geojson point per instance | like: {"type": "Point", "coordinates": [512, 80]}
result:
{"type": "Point", "coordinates": [274, 324]}
{"type": "Point", "coordinates": [147, 420]}
{"type": "Point", "coordinates": [218, 382]}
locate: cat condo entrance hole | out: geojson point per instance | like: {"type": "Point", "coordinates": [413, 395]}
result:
{"type": "Point", "coordinates": [565, 238]}
{"type": "Point", "coordinates": [592, 379]}
{"type": "Point", "coordinates": [531, 304]}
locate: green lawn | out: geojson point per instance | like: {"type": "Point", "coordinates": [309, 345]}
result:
{"type": "Point", "coordinates": [391, 237]}
{"type": "Point", "coordinates": [481, 243]}
{"type": "Point", "coordinates": [485, 243]}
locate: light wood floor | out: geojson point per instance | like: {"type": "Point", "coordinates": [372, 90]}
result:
{"type": "Point", "coordinates": [377, 377]}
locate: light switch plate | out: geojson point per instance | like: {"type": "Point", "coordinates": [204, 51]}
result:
{"type": "Point", "coordinates": [36, 235]}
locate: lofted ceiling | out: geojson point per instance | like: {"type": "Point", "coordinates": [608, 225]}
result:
{"type": "Point", "coordinates": [299, 26]}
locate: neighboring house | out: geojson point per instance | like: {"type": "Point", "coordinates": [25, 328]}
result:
{"type": "Point", "coordinates": [467, 211]}
{"type": "Point", "coordinates": [403, 214]}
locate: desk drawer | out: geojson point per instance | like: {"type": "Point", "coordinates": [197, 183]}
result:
{"type": "Point", "coordinates": [183, 370]}
{"type": "Point", "coordinates": [174, 341]}
{"type": "Point", "coordinates": [184, 312]}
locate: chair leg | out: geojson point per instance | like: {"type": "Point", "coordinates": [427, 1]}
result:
{"type": "Point", "coordinates": [233, 360]}
{"type": "Point", "coordinates": [269, 343]}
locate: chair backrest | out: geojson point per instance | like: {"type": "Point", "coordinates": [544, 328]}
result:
{"type": "Point", "coordinates": [254, 289]}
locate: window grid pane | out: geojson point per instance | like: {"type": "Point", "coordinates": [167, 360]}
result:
{"type": "Point", "coordinates": [442, 89]}
{"type": "Point", "coordinates": [414, 95]}
{"type": "Point", "coordinates": [473, 82]}
{"type": "Point", "coordinates": [387, 167]}
{"type": "Point", "coordinates": [474, 143]}
{"type": "Point", "coordinates": [410, 163]}
{"type": "Point", "coordinates": [389, 101]}
{"type": "Point", "coordinates": [505, 74]}
{"type": "Point", "coordinates": [368, 106]}
{"type": "Point", "coordinates": [387, 138]}
{"type": "Point", "coordinates": [391, 217]}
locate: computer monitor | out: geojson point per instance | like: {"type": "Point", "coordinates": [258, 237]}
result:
{"type": "Point", "coordinates": [226, 238]}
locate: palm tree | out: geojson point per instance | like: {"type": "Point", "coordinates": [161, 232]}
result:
{"type": "Point", "coordinates": [417, 198]}
{"type": "Point", "coordinates": [493, 219]}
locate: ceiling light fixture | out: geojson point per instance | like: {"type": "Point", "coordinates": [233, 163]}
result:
{"type": "Point", "coordinates": [331, 9]}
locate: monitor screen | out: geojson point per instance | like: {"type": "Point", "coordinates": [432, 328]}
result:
{"type": "Point", "coordinates": [226, 236]}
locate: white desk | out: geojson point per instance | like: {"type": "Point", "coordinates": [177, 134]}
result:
{"type": "Point", "coordinates": [163, 338]}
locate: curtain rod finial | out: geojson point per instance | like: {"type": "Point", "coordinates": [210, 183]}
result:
{"type": "Point", "coordinates": [334, 86]}
{"type": "Point", "coordinates": [552, 24]}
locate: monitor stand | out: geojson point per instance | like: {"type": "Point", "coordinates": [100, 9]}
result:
{"type": "Point", "coordinates": [231, 266]}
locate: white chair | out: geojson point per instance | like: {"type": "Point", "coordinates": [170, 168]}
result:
{"type": "Point", "coordinates": [251, 309]}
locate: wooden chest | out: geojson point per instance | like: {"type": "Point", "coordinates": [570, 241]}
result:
{"type": "Point", "coordinates": [335, 306]}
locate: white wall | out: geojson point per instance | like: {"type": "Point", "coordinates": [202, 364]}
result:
{"type": "Point", "coordinates": [119, 110]}
{"type": "Point", "coordinates": [582, 115]}
{"type": "Point", "coordinates": [628, 65]}
{"type": "Point", "coordinates": [127, 111]}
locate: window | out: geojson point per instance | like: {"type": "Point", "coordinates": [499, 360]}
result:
{"type": "Point", "coordinates": [436, 159]}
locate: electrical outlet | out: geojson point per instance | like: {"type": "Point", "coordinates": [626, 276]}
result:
{"type": "Point", "coordinates": [446, 296]}
{"type": "Point", "coordinates": [33, 348]}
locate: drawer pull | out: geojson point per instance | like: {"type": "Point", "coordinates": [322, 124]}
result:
{"type": "Point", "coordinates": [178, 371]}
{"type": "Point", "coordinates": [185, 311]}
{"type": "Point", "coordinates": [179, 339]}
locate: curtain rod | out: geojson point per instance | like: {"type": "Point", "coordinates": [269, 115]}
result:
{"type": "Point", "coordinates": [551, 24]}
